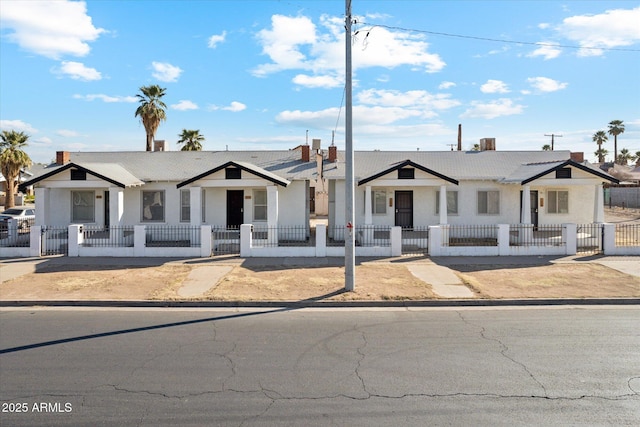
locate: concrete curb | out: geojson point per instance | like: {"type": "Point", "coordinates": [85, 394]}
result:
{"type": "Point", "coordinates": [326, 304]}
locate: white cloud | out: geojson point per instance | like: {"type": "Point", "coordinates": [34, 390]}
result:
{"type": "Point", "coordinates": [611, 29]}
{"type": "Point", "coordinates": [296, 43]}
{"type": "Point", "coordinates": [547, 50]}
{"type": "Point", "coordinates": [78, 71]}
{"type": "Point", "coordinates": [545, 84]}
{"type": "Point", "coordinates": [50, 28]}
{"type": "Point", "coordinates": [165, 72]}
{"type": "Point", "coordinates": [235, 107]}
{"type": "Point", "coordinates": [325, 81]}
{"type": "Point", "coordinates": [67, 133]}
{"type": "Point", "coordinates": [106, 98]}
{"type": "Point", "coordinates": [184, 105]}
{"type": "Point", "coordinates": [446, 85]}
{"type": "Point", "coordinates": [41, 141]}
{"type": "Point", "coordinates": [216, 39]}
{"type": "Point", "coordinates": [494, 86]}
{"type": "Point", "coordinates": [415, 99]}
{"type": "Point", "coordinates": [17, 125]}
{"type": "Point", "coordinates": [493, 109]}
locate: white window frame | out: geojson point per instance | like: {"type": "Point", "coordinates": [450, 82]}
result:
{"type": "Point", "coordinates": [259, 205]}
{"type": "Point", "coordinates": [88, 200]}
{"type": "Point", "coordinates": [450, 209]}
{"type": "Point", "coordinates": [374, 206]}
{"type": "Point", "coordinates": [155, 198]}
{"type": "Point", "coordinates": [489, 210]}
{"type": "Point", "coordinates": [556, 202]}
{"type": "Point", "coordinates": [185, 208]}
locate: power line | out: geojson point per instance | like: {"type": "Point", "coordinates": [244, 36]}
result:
{"type": "Point", "coordinates": [461, 36]}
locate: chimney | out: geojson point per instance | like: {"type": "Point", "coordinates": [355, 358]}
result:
{"type": "Point", "coordinates": [578, 157]}
{"type": "Point", "coordinates": [460, 137]}
{"type": "Point", "coordinates": [487, 144]}
{"type": "Point", "coordinates": [305, 153]}
{"type": "Point", "coordinates": [62, 157]}
{"type": "Point", "coordinates": [159, 145]}
{"type": "Point", "coordinates": [333, 153]}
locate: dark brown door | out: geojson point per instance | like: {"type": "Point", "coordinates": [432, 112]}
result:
{"type": "Point", "coordinates": [533, 201]}
{"type": "Point", "coordinates": [404, 209]}
{"type": "Point", "coordinates": [235, 205]}
{"type": "Point", "coordinates": [106, 209]}
{"type": "Point", "coordinates": [312, 200]}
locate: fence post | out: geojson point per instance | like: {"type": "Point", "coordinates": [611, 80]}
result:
{"type": "Point", "coordinates": [75, 239]}
{"type": "Point", "coordinates": [139, 240]}
{"type": "Point", "coordinates": [504, 239]}
{"type": "Point", "coordinates": [35, 241]}
{"type": "Point", "coordinates": [435, 240]}
{"type": "Point", "coordinates": [321, 240]}
{"type": "Point", "coordinates": [205, 241]}
{"type": "Point", "coordinates": [246, 231]}
{"type": "Point", "coordinates": [570, 237]}
{"type": "Point", "coordinates": [609, 239]}
{"type": "Point", "coordinates": [395, 234]}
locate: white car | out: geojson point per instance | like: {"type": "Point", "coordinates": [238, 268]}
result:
{"type": "Point", "coordinates": [23, 214]}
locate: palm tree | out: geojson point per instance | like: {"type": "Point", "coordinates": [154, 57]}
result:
{"type": "Point", "coordinates": [12, 159]}
{"type": "Point", "coordinates": [625, 157]}
{"type": "Point", "coordinates": [600, 137]}
{"type": "Point", "coordinates": [601, 153]}
{"type": "Point", "coordinates": [151, 110]}
{"type": "Point", "coordinates": [546, 147]}
{"type": "Point", "coordinates": [616, 127]}
{"type": "Point", "coordinates": [191, 139]}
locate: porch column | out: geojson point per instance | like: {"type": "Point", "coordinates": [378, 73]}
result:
{"type": "Point", "coordinates": [598, 206]}
{"type": "Point", "coordinates": [368, 217]}
{"type": "Point", "coordinates": [443, 205]}
{"type": "Point", "coordinates": [195, 206]}
{"type": "Point", "coordinates": [272, 206]}
{"type": "Point", "coordinates": [525, 214]}
{"type": "Point", "coordinates": [42, 205]}
{"type": "Point", "coordinates": [116, 206]}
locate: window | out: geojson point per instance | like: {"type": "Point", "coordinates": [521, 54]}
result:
{"type": "Point", "coordinates": [78, 175]}
{"type": "Point", "coordinates": [233, 173]}
{"type": "Point", "coordinates": [452, 202]}
{"type": "Point", "coordinates": [406, 173]}
{"type": "Point", "coordinates": [489, 202]}
{"type": "Point", "coordinates": [563, 173]}
{"type": "Point", "coordinates": [185, 205]}
{"type": "Point", "coordinates": [153, 206]}
{"type": "Point", "coordinates": [379, 202]}
{"type": "Point", "coordinates": [260, 205]}
{"type": "Point", "coordinates": [83, 206]}
{"type": "Point", "coordinates": [557, 202]}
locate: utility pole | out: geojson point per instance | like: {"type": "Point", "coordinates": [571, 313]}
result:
{"type": "Point", "coordinates": [553, 135]}
{"type": "Point", "coordinates": [349, 239]}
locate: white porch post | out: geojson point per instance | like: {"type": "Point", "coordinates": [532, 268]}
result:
{"type": "Point", "coordinates": [272, 214]}
{"type": "Point", "coordinates": [195, 203]}
{"type": "Point", "coordinates": [42, 205]}
{"type": "Point", "coordinates": [525, 215]}
{"type": "Point", "coordinates": [368, 217]}
{"type": "Point", "coordinates": [116, 205]}
{"type": "Point", "coordinates": [598, 207]}
{"type": "Point", "coordinates": [443, 205]}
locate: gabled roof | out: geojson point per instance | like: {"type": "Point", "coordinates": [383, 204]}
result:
{"type": "Point", "coordinates": [532, 171]}
{"type": "Point", "coordinates": [255, 170]}
{"type": "Point", "coordinates": [403, 164]}
{"type": "Point", "coordinates": [110, 172]}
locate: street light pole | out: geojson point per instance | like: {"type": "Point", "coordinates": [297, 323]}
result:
{"type": "Point", "coordinates": [349, 242]}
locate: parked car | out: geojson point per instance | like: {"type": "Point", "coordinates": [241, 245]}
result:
{"type": "Point", "coordinates": [23, 214]}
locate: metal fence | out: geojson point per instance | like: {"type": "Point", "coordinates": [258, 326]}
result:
{"type": "Point", "coordinates": [55, 240]}
{"type": "Point", "coordinates": [589, 238]}
{"type": "Point", "coordinates": [627, 234]}
{"type": "Point", "coordinates": [282, 236]}
{"type": "Point", "coordinates": [365, 235]}
{"type": "Point", "coordinates": [108, 237]}
{"type": "Point", "coordinates": [225, 240]}
{"type": "Point", "coordinates": [541, 235]}
{"type": "Point", "coordinates": [415, 240]}
{"type": "Point", "coordinates": [167, 236]}
{"type": "Point", "coordinates": [470, 235]}
{"type": "Point", "coordinates": [16, 233]}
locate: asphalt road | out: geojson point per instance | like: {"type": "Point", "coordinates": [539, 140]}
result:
{"type": "Point", "coordinates": [445, 366]}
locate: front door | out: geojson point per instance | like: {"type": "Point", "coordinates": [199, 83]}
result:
{"type": "Point", "coordinates": [404, 209]}
{"type": "Point", "coordinates": [235, 208]}
{"type": "Point", "coordinates": [533, 202]}
{"type": "Point", "coordinates": [106, 209]}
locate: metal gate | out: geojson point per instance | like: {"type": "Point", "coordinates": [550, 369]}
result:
{"type": "Point", "coordinates": [225, 240]}
{"type": "Point", "coordinates": [589, 238]}
{"type": "Point", "coordinates": [54, 240]}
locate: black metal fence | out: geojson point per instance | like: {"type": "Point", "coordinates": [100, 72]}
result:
{"type": "Point", "coordinates": [627, 234]}
{"type": "Point", "coordinates": [168, 236]}
{"type": "Point", "coordinates": [225, 240]}
{"type": "Point", "coordinates": [55, 240]}
{"type": "Point", "coordinates": [541, 235]}
{"type": "Point", "coordinates": [415, 240]}
{"type": "Point", "coordinates": [282, 236]}
{"type": "Point", "coordinates": [108, 237]}
{"type": "Point", "coordinates": [365, 235]}
{"type": "Point", "coordinates": [16, 233]}
{"type": "Point", "coordinates": [589, 238]}
{"type": "Point", "coordinates": [470, 235]}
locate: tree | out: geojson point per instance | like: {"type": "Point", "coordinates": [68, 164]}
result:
{"type": "Point", "coordinates": [12, 159]}
{"type": "Point", "coordinates": [625, 157]}
{"type": "Point", "coordinates": [601, 153]}
{"type": "Point", "coordinates": [600, 137]}
{"type": "Point", "coordinates": [616, 127]}
{"type": "Point", "coordinates": [191, 139]}
{"type": "Point", "coordinates": [476, 147]}
{"type": "Point", "coordinates": [546, 147]}
{"type": "Point", "coordinates": [151, 110]}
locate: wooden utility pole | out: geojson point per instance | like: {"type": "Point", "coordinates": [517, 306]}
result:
{"type": "Point", "coordinates": [553, 135]}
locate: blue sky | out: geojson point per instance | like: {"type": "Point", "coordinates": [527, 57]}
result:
{"type": "Point", "coordinates": [257, 75]}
